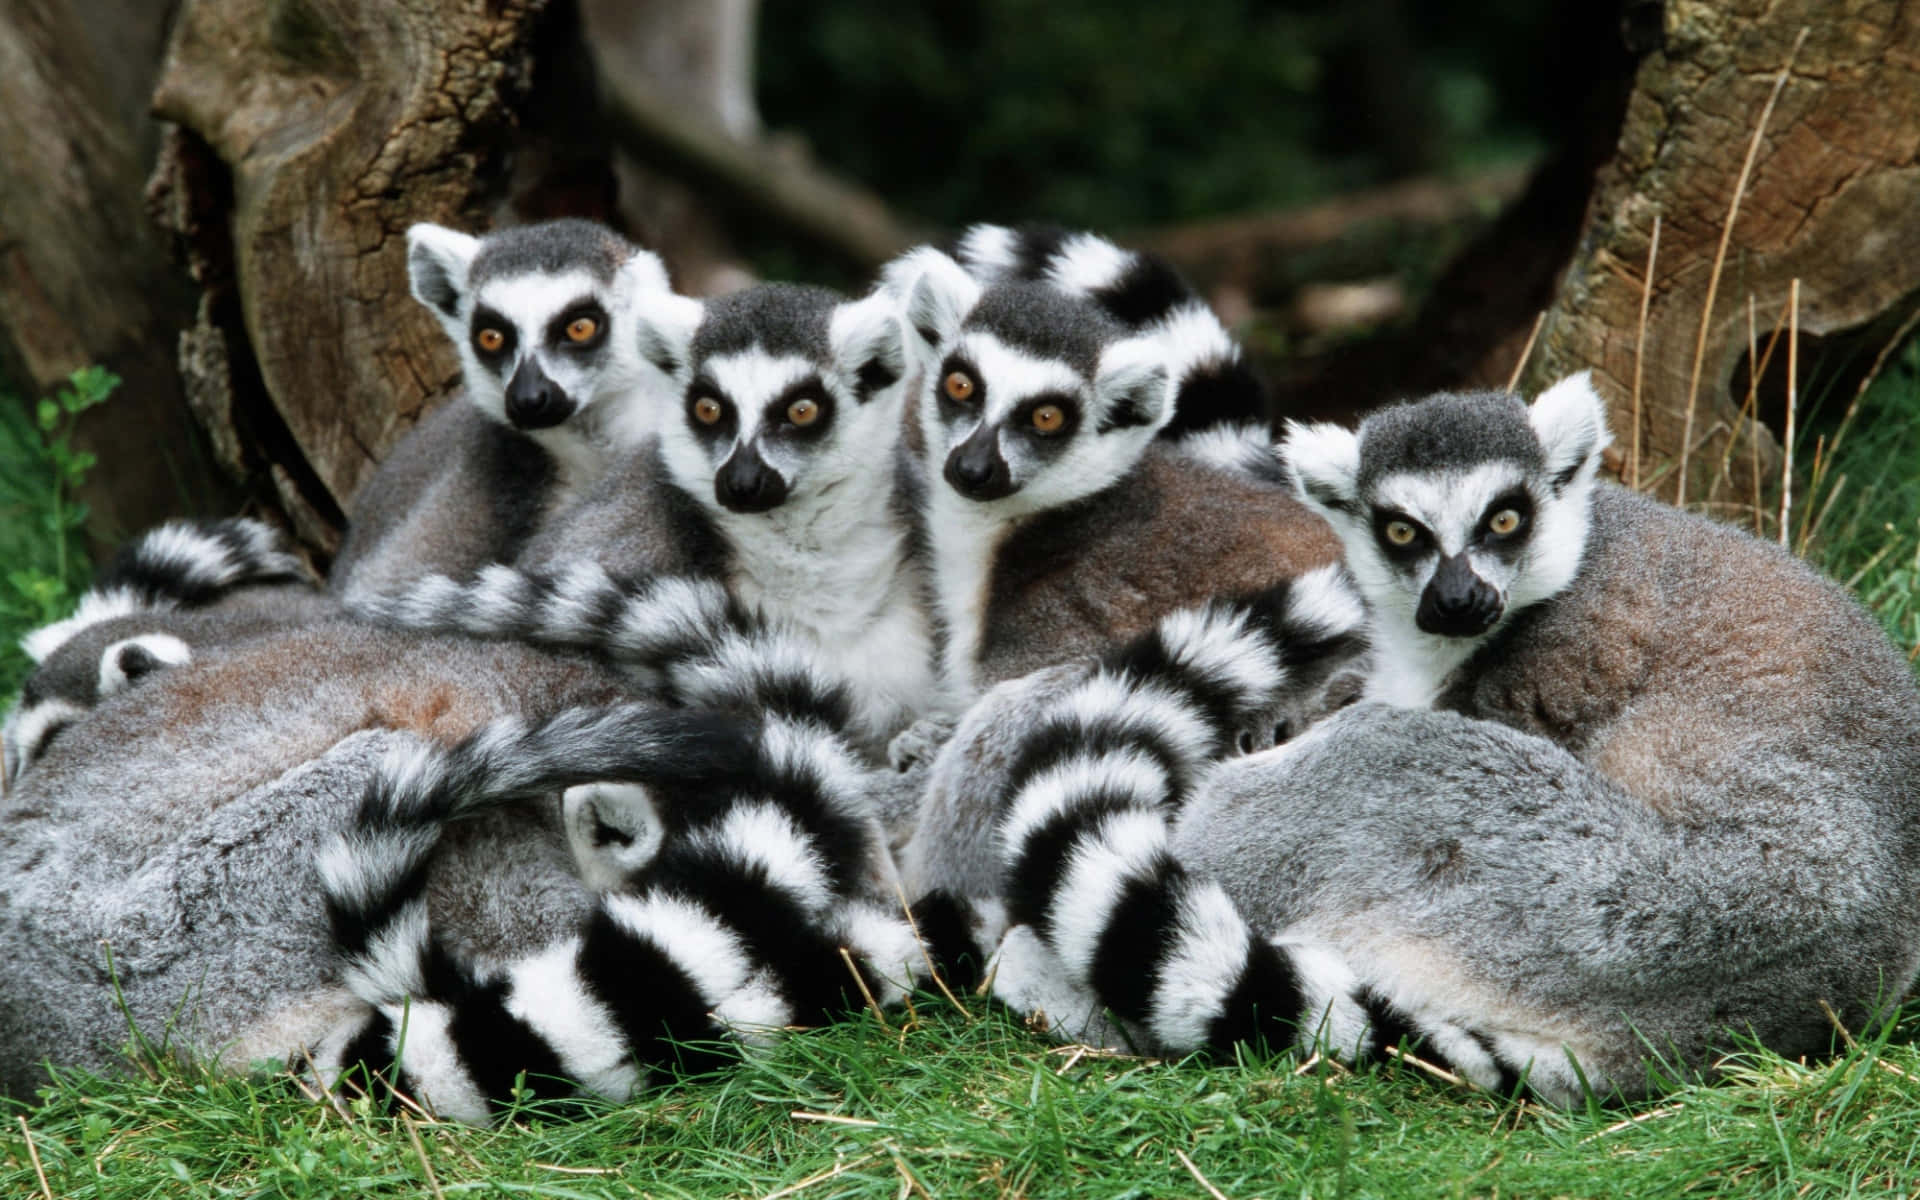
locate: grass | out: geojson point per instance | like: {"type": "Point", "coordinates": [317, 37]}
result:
{"type": "Point", "coordinates": [974, 1105]}
{"type": "Point", "coordinates": [943, 1104]}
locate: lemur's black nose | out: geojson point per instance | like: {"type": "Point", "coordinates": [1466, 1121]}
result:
{"type": "Point", "coordinates": [746, 484]}
{"type": "Point", "coordinates": [976, 470]}
{"type": "Point", "coordinates": [1457, 602]}
{"type": "Point", "coordinates": [534, 401]}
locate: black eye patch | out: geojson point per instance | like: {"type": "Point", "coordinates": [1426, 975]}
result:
{"type": "Point", "coordinates": [1509, 544]}
{"type": "Point", "coordinates": [486, 323]}
{"type": "Point", "coordinates": [1027, 417]}
{"type": "Point", "coordinates": [586, 308]}
{"type": "Point", "coordinates": [952, 409]}
{"type": "Point", "coordinates": [779, 412]}
{"type": "Point", "coordinates": [1417, 548]}
{"type": "Point", "coordinates": [704, 392]}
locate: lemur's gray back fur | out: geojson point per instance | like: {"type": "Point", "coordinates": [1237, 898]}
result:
{"type": "Point", "coordinates": [177, 824]}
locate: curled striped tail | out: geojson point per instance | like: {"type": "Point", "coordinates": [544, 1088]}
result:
{"type": "Point", "coordinates": [181, 564]}
{"type": "Point", "coordinates": [1143, 293]}
{"type": "Point", "coordinates": [758, 912]}
{"type": "Point", "coordinates": [1085, 830]}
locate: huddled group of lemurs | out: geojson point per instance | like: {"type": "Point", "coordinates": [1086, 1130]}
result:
{"type": "Point", "coordinates": [715, 667]}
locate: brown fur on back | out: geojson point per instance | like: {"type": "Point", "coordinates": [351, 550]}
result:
{"type": "Point", "coordinates": [1176, 532]}
{"type": "Point", "coordinates": [1686, 650]}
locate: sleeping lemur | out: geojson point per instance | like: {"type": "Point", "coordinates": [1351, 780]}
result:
{"type": "Point", "coordinates": [553, 391]}
{"type": "Point", "coordinates": [176, 590]}
{"type": "Point", "coordinates": [1665, 790]}
{"type": "Point", "coordinates": [769, 900]}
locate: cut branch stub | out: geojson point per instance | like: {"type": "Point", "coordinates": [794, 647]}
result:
{"type": "Point", "coordinates": [1831, 201]}
{"type": "Point", "coordinates": [343, 122]}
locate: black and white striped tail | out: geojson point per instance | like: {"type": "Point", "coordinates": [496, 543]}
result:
{"type": "Point", "coordinates": [683, 637]}
{"type": "Point", "coordinates": [753, 916]}
{"type": "Point", "coordinates": [1085, 833]}
{"type": "Point", "coordinates": [1086, 837]}
{"type": "Point", "coordinates": [1141, 292]}
{"type": "Point", "coordinates": [181, 564]}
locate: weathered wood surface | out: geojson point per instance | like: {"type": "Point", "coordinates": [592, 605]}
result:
{"type": "Point", "coordinates": [1834, 200]}
{"type": "Point", "coordinates": [339, 123]}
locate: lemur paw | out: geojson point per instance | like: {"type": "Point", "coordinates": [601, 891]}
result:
{"type": "Point", "coordinates": [919, 742]}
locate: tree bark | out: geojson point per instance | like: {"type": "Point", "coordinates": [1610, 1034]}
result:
{"type": "Point", "coordinates": [84, 277]}
{"type": "Point", "coordinates": [1831, 201]}
{"type": "Point", "coordinates": [336, 124]}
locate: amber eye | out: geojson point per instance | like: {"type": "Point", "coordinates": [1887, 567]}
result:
{"type": "Point", "coordinates": [1401, 533]}
{"type": "Point", "coordinates": [707, 410]}
{"type": "Point", "coordinates": [1504, 522]}
{"type": "Point", "coordinates": [1049, 418]}
{"type": "Point", "coordinates": [582, 328]}
{"type": "Point", "coordinates": [959, 386]}
{"type": "Point", "coordinates": [803, 412]}
{"type": "Point", "coordinates": [490, 340]}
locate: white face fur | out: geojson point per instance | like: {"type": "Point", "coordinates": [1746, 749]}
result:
{"type": "Point", "coordinates": [1446, 555]}
{"type": "Point", "coordinates": [758, 431]}
{"type": "Point", "coordinates": [1010, 430]}
{"type": "Point", "coordinates": [550, 353]}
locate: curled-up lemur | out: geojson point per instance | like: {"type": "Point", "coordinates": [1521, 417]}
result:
{"type": "Point", "coordinates": [175, 590]}
{"type": "Point", "coordinates": [768, 902]}
{"type": "Point", "coordinates": [1666, 791]}
{"type": "Point", "coordinates": [1056, 523]}
{"type": "Point", "coordinates": [156, 863]}
{"type": "Point", "coordinates": [779, 461]}
{"type": "Point", "coordinates": [553, 391]}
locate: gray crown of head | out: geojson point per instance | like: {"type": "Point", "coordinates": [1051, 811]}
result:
{"type": "Point", "coordinates": [1447, 432]}
{"type": "Point", "coordinates": [779, 318]}
{"type": "Point", "coordinates": [549, 248]}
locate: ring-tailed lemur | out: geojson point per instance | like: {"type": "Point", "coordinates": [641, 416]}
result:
{"type": "Point", "coordinates": [1669, 793]}
{"type": "Point", "coordinates": [785, 445]}
{"type": "Point", "coordinates": [767, 903]}
{"type": "Point", "coordinates": [172, 591]}
{"type": "Point", "coordinates": [553, 390]}
{"type": "Point", "coordinates": [1056, 523]}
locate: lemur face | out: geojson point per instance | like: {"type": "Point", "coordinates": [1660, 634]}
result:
{"type": "Point", "coordinates": [786, 392]}
{"type": "Point", "coordinates": [1458, 510]}
{"type": "Point", "coordinates": [542, 315]}
{"type": "Point", "coordinates": [1030, 397]}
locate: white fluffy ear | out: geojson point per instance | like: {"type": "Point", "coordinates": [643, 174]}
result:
{"type": "Point", "coordinates": [868, 344]}
{"type": "Point", "coordinates": [437, 263]}
{"type": "Point", "coordinates": [1570, 420]}
{"type": "Point", "coordinates": [942, 295]}
{"type": "Point", "coordinates": [663, 327]}
{"type": "Point", "coordinates": [1133, 388]}
{"type": "Point", "coordinates": [644, 272]}
{"type": "Point", "coordinates": [1323, 462]}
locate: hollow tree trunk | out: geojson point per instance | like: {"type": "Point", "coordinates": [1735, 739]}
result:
{"type": "Point", "coordinates": [330, 126]}
{"type": "Point", "coordinates": [1832, 201]}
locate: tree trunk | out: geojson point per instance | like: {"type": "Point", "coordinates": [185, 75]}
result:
{"type": "Point", "coordinates": [332, 125]}
{"type": "Point", "coordinates": [84, 277]}
{"type": "Point", "coordinates": [1831, 201]}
